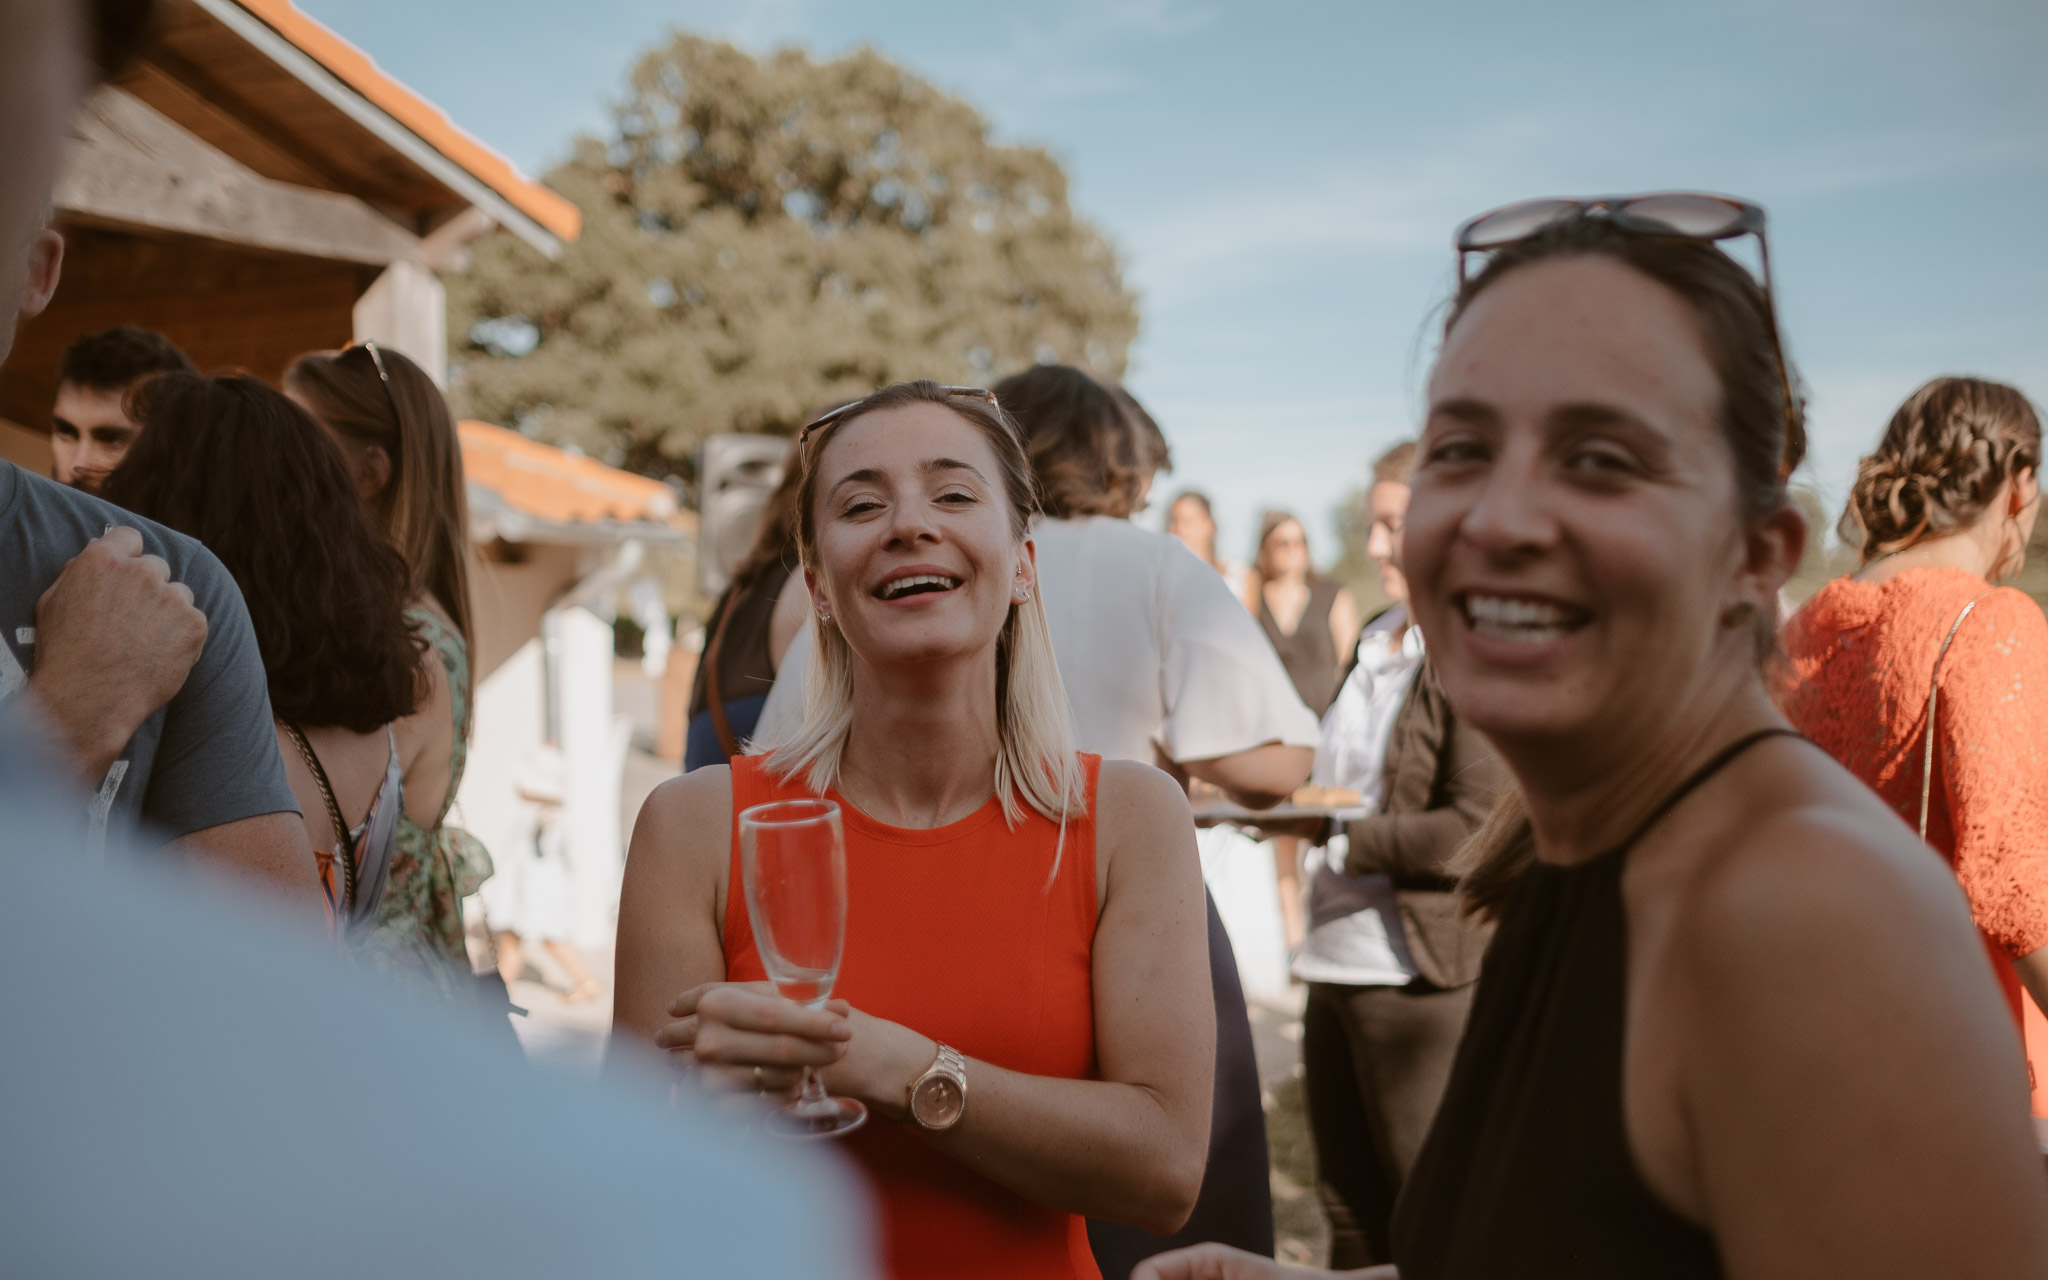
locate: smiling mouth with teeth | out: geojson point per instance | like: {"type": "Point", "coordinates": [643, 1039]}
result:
{"type": "Point", "coordinates": [915, 584]}
{"type": "Point", "coordinates": [1527, 621]}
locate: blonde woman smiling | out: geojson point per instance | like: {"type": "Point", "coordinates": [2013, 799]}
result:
{"type": "Point", "coordinates": [1036, 911]}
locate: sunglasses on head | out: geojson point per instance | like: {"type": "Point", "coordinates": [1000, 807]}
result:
{"type": "Point", "coordinates": [383, 375]}
{"type": "Point", "coordinates": [825, 420]}
{"type": "Point", "coordinates": [1669, 215]}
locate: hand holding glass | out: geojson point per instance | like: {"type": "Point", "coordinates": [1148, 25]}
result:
{"type": "Point", "coordinates": [793, 859]}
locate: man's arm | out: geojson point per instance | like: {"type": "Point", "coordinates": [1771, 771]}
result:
{"type": "Point", "coordinates": [115, 639]}
{"type": "Point", "coordinates": [1258, 778]}
{"type": "Point", "coordinates": [268, 851]}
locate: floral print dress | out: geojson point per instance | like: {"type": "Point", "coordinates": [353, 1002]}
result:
{"type": "Point", "coordinates": [418, 933]}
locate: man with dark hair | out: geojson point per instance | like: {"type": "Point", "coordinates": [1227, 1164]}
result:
{"type": "Point", "coordinates": [90, 428]}
{"type": "Point", "coordinates": [126, 643]}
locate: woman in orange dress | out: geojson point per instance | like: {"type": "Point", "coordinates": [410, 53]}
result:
{"type": "Point", "coordinates": [1940, 512]}
{"type": "Point", "coordinates": [1012, 903]}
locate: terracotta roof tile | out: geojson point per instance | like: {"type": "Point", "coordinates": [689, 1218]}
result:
{"type": "Point", "coordinates": [550, 484]}
{"type": "Point", "coordinates": [355, 68]}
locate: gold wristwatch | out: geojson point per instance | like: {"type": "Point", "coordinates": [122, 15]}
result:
{"type": "Point", "coordinates": [938, 1098]}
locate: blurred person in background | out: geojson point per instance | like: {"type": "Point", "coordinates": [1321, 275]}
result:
{"type": "Point", "coordinates": [90, 430]}
{"type": "Point", "coordinates": [529, 896]}
{"type": "Point", "coordinates": [986, 859]}
{"type": "Point", "coordinates": [405, 460]}
{"type": "Point", "coordinates": [1159, 665]}
{"type": "Point", "coordinates": [125, 650]}
{"type": "Point", "coordinates": [250, 475]}
{"type": "Point", "coordinates": [749, 630]}
{"type": "Point", "coordinates": [1734, 1020]}
{"type": "Point", "coordinates": [1190, 518]}
{"type": "Point", "coordinates": [1942, 511]}
{"type": "Point", "coordinates": [1388, 962]}
{"type": "Point", "coordinates": [1312, 623]}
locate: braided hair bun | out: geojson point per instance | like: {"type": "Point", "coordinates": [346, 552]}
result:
{"type": "Point", "coordinates": [1947, 452]}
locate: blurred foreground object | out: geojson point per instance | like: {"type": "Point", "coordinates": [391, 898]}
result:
{"type": "Point", "coordinates": [267, 1114]}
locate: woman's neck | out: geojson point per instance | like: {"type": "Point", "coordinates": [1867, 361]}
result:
{"type": "Point", "coordinates": [1585, 797]}
{"type": "Point", "coordinates": [921, 751]}
{"type": "Point", "coordinates": [1975, 550]}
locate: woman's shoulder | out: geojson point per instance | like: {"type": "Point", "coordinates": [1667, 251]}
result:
{"type": "Point", "coordinates": [2010, 614]}
{"type": "Point", "coordinates": [1134, 799]}
{"type": "Point", "coordinates": [688, 810]}
{"type": "Point", "coordinates": [1816, 871]}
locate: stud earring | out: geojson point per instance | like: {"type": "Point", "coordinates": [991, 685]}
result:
{"type": "Point", "coordinates": [824, 616]}
{"type": "Point", "coordinates": [1023, 595]}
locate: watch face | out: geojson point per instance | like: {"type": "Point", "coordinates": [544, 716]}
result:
{"type": "Point", "coordinates": [938, 1102]}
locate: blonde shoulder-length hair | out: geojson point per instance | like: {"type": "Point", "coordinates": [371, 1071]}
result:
{"type": "Point", "coordinates": [1035, 760]}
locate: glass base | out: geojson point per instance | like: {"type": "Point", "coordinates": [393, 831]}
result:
{"type": "Point", "coordinates": [822, 1118]}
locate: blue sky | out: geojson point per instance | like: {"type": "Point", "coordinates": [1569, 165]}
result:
{"type": "Point", "coordinates": [1281, 178]}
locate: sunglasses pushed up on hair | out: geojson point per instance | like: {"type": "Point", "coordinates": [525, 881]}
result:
{"type": "Point", "coordinates": [824, 421]}
{"type": "Point", "coordinates": [1699, 216]}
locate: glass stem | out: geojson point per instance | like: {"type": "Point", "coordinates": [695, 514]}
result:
{"type": "Point", "coordinates": [812, 1095]}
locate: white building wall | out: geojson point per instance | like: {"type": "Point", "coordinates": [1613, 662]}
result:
{"type": "Point", "coordinates": [511, 723]}
{"type": "Point", "coordinates": [406, 309]}
{"type": "Point", "coordinates": [593, 740]}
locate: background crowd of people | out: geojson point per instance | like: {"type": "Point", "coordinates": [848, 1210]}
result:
{"type": "Point", "coordinates": [1645, 929]}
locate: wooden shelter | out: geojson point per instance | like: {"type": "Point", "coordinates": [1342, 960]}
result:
{"type": "Point", "coordinates": [254, 187]}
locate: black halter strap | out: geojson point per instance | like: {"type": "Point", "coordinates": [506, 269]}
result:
{"type": "Point", "coordinates": [1721, 760]}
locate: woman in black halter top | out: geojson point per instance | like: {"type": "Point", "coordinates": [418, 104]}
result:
{"type": "Point", "coordinates": [1735, 1020]}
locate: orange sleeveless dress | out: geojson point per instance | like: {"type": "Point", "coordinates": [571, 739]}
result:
{"type": "Point", "coordinates": [956, 933]}
{"type": "Point", "coordinates": [1861, 655]}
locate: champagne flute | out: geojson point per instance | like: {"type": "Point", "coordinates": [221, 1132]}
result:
{"type": "Point", "coordinates": [793, 859]}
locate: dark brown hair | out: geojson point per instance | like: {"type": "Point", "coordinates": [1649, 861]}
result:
{"type": "Point", "coordinates": [1945, 455]}
{"type": "Point", "coordinates": [235, 464]}
{"type": "Point", "coordinates": [1766, 440]}
{"type": "Point", "coordinates": [1092, 457]}
{"type": "Point", "coordinates": [424, 511]}
{"type": "Point", "coordinates": [120, 357]}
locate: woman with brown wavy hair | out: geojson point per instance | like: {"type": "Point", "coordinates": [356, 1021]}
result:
{"type": "Point", "coordinates": [234, 464]}
{"type": "Point", "coordinates": [405, 462]}
{"type": "Point", "coordinates": [1919, 635]}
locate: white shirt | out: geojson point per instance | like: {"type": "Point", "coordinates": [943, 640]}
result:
{"type": "Point", "coordinates": [1354, 935]}
{"type": "Point", "coordinates": [1152, 647]}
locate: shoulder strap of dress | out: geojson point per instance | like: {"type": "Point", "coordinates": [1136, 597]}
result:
{"type": "Point", "coordinates": [1721, 760]}
{"type": "Point", "coordinates": [1933, 692]}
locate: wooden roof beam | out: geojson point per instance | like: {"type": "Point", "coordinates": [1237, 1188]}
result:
{"type": "Point", "coordinates": [309, 72]}
{"type": "Point", "coordinates": [131, 167]}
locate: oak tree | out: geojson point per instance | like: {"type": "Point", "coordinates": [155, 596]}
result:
{"type": "Point", "coordinates": [765, 237]}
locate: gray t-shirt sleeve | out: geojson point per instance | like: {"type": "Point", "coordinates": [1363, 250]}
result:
{"type": "Point", "coordinates": [217, 760]}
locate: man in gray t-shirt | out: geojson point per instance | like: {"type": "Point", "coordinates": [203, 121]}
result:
{"type": "Point", "coordinates": [202, 767]}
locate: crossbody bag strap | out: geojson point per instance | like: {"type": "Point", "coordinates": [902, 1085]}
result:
{"type": "Point", "coordinates": [1933, 692]}
{"type": "Point", "coordinates": [342, 854]}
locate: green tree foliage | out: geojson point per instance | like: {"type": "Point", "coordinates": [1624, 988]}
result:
{"type": "Point", "coordinates": [765, 237]}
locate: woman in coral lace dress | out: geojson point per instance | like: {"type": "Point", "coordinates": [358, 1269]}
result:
{"type": "Point", "coordinates": [1940, 512]}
